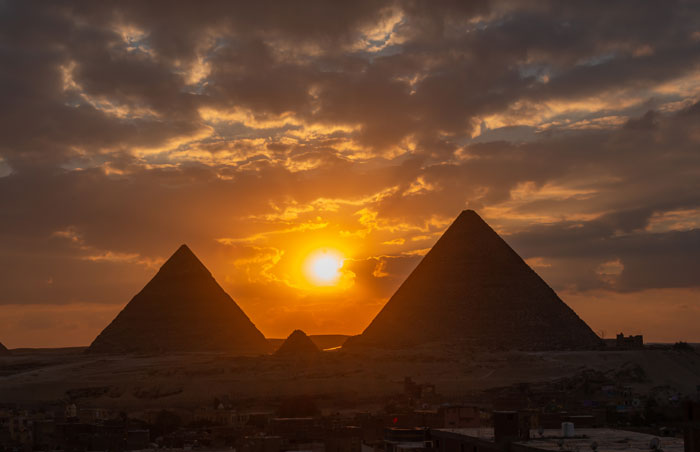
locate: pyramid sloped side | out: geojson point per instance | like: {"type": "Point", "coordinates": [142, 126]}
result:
{"type": "Point", "coordinates": [473, 288]}
{"type": "Point", "coordinates": [297, 344]}
{"type": "Point", "coordinates": [3, 350]}
{"type": "Point", "coordinates": [182, 308]}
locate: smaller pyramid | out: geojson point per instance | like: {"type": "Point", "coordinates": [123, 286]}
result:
{"type": "Point", "coordinates": [3, 350]}
{"type": "Point", "coordinates": [297, 345]}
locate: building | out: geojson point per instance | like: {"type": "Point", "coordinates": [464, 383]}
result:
{"type": "Point", "coordinates": [556, 440]}
{"type": "Point", "coordinates": [221, 416]}
{"type": "Point", "coordinates": [629, 342]}
{"type": "Point", "coordinates": [44, 434]}
{"type": "Point", "coordinates": [261, 443]}
{"type": "Point", "coordinates": [460, 416]}
{"type": "Point", "coordinates": [343, 439]}
{"type": "Point", "coordinates": [296, 429]}
{"type": "Point", "coordinates": [418, 391]}
{"type": "Point", "coordinates": [92, 415]}
{"type": "Point", "coordinates": [138, 439]}
{"type": "Point", "coordinates": [691, 431]}
{"type": "Point", "coordinates": [407, 440]}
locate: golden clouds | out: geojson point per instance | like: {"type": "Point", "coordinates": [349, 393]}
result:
{"type": "Point", "coordinates": [292, 235]}
{"type": "Point", "coordinates": [94, 254]}
{"type": "Point", "coordinates": [359, 126]}
{"type": "Point", "coordinates": [674, 220]}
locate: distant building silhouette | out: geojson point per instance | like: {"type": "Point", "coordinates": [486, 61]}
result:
{"type": "Point", "coordinates": [629, 342]}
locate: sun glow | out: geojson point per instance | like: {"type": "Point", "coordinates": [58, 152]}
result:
{"type": "Point", "coordinates": [323, 267]}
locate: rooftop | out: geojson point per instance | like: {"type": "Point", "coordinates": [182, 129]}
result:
{"type": "Point", "coordinates": [608, 440]}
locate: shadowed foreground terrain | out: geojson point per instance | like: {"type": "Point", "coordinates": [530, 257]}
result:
{"type": "Point", "coordinates": [188, 380]}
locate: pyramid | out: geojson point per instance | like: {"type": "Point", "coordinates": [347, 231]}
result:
{"type": "Point", "coordinates": [3, 350]}
{"type": "Point", "coordinates": [182, 309]}
{"type": "Point", "coordinates": [472, 288]}
{"type": "Point", "coordinates": [298, 344]}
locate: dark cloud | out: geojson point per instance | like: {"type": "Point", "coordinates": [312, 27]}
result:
{"type": "Point", "coordinates": [131, 127]}
{"type": "Point", "coordinates": [648, 260]}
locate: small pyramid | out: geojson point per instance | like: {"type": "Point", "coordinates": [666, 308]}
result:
{"type": "Point", "coordinates": [298, 344]}
{"type": "Point", "coordinates": [473, 288]}
{"type": "Point", "coordinates": [3, 350]}
{"type": "Point", "coordinates": [182, 309]}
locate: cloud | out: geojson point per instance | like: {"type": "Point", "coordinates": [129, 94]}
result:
{"type": "Point", "coordinates": [255, 131]}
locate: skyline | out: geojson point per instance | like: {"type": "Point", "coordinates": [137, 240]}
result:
{"type": "Point", "coordinates": [363, 129]}
{"type": "Point", "coordinates": [322, 280]}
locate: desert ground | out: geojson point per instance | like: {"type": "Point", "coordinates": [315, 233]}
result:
{"type": "Point", "coordinates": [341, 378]}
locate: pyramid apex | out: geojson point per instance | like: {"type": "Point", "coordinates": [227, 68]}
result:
{"type": "Point", "coordinates": [469, 219]}
{"type": "Point", "coordinates": [183, 249]}
{"type": "Point", "coordinates": [183, 260]}
{"type": "Point", "coordinates": [468, 213]}
{"type": "Point", "coordinates": [298, 343]}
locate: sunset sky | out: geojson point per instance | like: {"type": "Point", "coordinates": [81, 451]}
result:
{"type": "Point", "coordinates": [262, 133]}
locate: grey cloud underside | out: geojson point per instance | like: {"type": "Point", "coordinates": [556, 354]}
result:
{"type": "Point", "coordinates": [467, 60]}
{"type": "Point", "coordinates": [462, 74]}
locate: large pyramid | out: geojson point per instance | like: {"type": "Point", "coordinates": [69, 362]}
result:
{"type": "Point", "coordinates": [298, 344]}
{"type": "Point", "coordinates": [472, 288]}
{"type": "Point", "coordinates": [182, 308]}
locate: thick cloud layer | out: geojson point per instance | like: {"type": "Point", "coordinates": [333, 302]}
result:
{"type": "Point", "coordinates": [260, 131]}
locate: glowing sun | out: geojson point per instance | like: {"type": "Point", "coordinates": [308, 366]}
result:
{"type": "Point", "coordinates": [323, 267]}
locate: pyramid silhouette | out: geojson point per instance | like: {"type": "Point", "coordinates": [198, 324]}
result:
{"type": "Point", "coordinates": [472, 288]}
{"type": "Point", "coordinates": [298, 344]}
{"type": "Point", "coordinates": [3, 350]}
{"type": "Point", "coordinates": [182, 308]}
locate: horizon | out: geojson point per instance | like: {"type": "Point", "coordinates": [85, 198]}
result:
{"type": "Point", "coordinates": [311, 157]}
{"type": "Point", "coordinates": [187, 250]}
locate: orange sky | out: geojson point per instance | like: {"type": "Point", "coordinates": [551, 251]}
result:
{"type": "Point", "coordinates": [259, 134]}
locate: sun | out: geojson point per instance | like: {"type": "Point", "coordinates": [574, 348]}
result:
{"type": "Point", "coordinates": [323, 267]}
